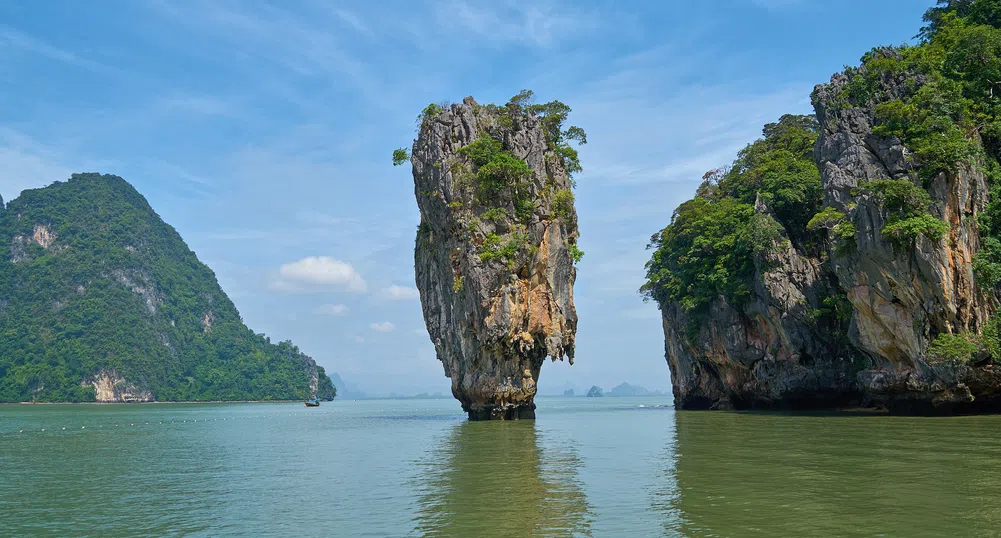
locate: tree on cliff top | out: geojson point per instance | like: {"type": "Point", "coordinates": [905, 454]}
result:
{"type": "Point", "coordinates": [974, 11]}
{"type": "Point", "coordinates": [553, 115]}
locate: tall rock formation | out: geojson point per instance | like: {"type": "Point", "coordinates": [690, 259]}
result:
{"type": "Point", "coordinates": [903, 296]}
{"type": "Point", "coordinates": [886, 309]}
{"type": "Point", "coordinates": [495, 249]}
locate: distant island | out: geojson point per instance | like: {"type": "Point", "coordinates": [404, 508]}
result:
{"type": "Point", "coordinates": [102, 301]}
{"type": "Point", "coordinates": [622, 390]}
{"type": "Point", "coordinates": [627, 390]}
{"type": "Point", "coordinates": [421, 396]}
{"type": "Point", "coordinates": [346, 391]}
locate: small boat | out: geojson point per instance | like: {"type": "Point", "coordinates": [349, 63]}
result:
{"type": "Point", "coordinates": [313, 403]}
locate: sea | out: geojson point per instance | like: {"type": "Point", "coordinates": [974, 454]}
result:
{"type": "Point", "coordinates": [629, 467]}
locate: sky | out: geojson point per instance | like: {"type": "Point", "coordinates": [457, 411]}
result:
{"type": "Point", "coordinates": [262, 131]}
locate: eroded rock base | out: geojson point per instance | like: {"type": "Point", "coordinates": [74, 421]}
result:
{"type": "Point", "coordinates": [936, 389]}
{"type": "Point", "coordinates": [816, 402]}
{"type": "Point", "coordinates": [492, 412]}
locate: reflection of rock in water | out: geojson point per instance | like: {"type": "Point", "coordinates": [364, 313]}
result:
{"type": "Point", "coordinates": [771, 474]}
{"type": "Point", "coordinates": [667, 496]}
{"type": "Point", "coordinates": [492, 479]}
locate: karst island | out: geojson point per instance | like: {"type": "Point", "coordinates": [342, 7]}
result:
{"type": "Point", "coordinates": [496, 245]}
{"type": "Point", "coordinates": [851, 257]}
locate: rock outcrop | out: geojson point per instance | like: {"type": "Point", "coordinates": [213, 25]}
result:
{"type": "Point", "coordinates": [771, 351]}
{"type": "Point", "coordinates": [493, 253]}
{"type": "Point", "coordinates": [903, 297]}
{"type": "Point", "coordinates": [110, 387]}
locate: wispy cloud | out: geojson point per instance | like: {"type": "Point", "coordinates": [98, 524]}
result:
{"type": "Point", "coordinates": [383, 327]}
{"type": "Point", "coordinates": [292, 40]}
{"type": "Point", "coordinates": [24, 170]}
{"type": "Point", "coordinates": [27, 163]}
{"type": "Point", "coordinates": [14, 39]}
{"type": "Point", "coordinates": [539, 24]}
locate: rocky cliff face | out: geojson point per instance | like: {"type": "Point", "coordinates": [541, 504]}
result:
{"type": "Point", "coordinates": [891, 299]}
{"type": "Point", "coordinates": [903, 297]}
{"type": "Point", "coordinates": [771, 351]}
{"type": "Point", "coordinates": [110, 387]}
{"type": "Point", "coordinates": [493, 253]}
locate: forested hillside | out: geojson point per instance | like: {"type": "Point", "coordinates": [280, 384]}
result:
{"type": "Point", "coordinates": [100, 299]}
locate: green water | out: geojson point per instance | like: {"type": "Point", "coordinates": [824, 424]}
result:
{"type": "Point", "coordinates": [586, 467]}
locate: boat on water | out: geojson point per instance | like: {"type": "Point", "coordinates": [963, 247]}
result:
{"type": "Point", "coordinates": [315, 402]}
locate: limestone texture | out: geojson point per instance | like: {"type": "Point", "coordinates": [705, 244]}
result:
{"type": "Point", "coordinates": [769, 353]}
{"type": "Point", "coordinates": [494, 268]}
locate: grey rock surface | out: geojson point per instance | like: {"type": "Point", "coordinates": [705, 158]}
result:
{"type": "Point", "coordinates": [493, 322]}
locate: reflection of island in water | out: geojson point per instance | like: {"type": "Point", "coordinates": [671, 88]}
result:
{"type": "Point", "coordinates": [493, 479]}
{"type": "Point", "coordinates": [773, 474]}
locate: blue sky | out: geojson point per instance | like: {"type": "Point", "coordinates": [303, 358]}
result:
{"type": "Point", "coordinates": [262, 132]}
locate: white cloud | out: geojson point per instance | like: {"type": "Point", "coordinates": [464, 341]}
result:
{"type": "Point", "coordinates": [401, 293]}
{"type": "Point", "coordinates": [331, 309]}
{"type": "Point", "coordinates": [384, 327]}
{"type": "Point", "coordinates": [318, 273]}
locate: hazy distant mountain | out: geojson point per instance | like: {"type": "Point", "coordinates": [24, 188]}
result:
{"type": "Point", "coordinates": [421, 396]}
{"type": "Point", "coordinates": [625, 389]}
{"type": "Point", "coordinates": [568, 392]}
{"type": "Point", "coordinates": [595, 392]}
{"type": "Point", "coordinates": [345, 391]}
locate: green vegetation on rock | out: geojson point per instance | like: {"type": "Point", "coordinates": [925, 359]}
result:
{"type": "Point", "coordinates": [93, 281]}
{"type": "Point", "coordinates": [906, 206]}
{"type": "Point", "coordinates": [563, 204]}
{"type": "Point", "coordinates": [493, 185]}
{"type": "Point", "coordinates": [940, 97]}
{"type": "Point", "coordinates": [499, 173]}
{"type": "Point", "coordinates": [400, 156]}
{"type": "Point", "coordinates": [708, 249]}
{"type": "Point", "coordinates": [553, 115]}
{"type": "Point", "coordinates": [575, 253]}
{"type": "Point", "coordinates": [953, 347]}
